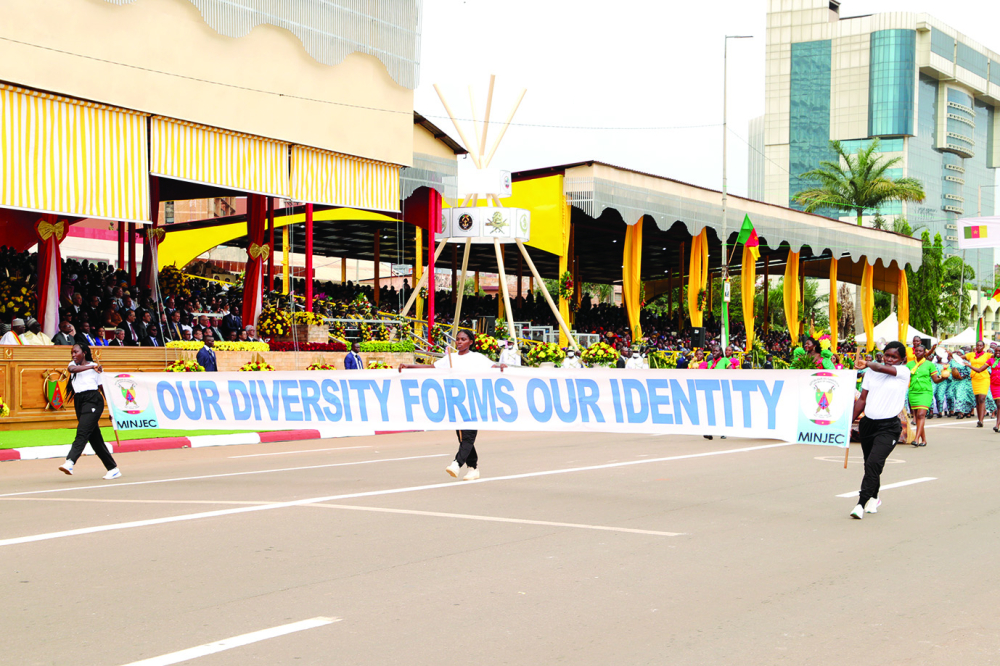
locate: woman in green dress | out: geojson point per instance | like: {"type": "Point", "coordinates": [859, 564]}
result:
{"type": "Point", "coordinates": [921, 394]}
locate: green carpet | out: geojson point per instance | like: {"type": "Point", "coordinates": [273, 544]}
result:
{"type": "Point", "coordinates": [22, 438]}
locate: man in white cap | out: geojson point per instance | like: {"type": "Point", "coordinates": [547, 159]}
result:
{"type": "Point", "coordinates": [13, 336]}
{"type": "Point", "coordinates": [508, 354]}
{"type": "Point", "coordinates": [35, 336]}
{"type": "Point", "coordinates": [572, 360]}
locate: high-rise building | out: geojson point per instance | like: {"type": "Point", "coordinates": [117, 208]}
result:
{"type": "Point", "coordinates": [928, 92]}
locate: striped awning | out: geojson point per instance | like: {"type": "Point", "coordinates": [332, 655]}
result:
{"type": "Point", "coordinates": [67, 157]}
{"type": "Point", "coordinates": [322, 177]}
{"type": "Point", "coordinates": [200, 154]}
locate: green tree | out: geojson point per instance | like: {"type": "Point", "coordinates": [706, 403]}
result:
{"type": "Point", "coordinates": [857, 183]}
{"type": "Point", "coordinates": [926, 284]}
{"type": "Point", "coordinates": [953, 289]}
{"type": "Point", "coordinates": [813, 307]}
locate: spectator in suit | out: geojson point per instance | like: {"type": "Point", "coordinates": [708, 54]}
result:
{"type": "Point", "coordinates": [133, 338]}
{"type": "Point", "coordinates": [252, 334]}
{"type": "Point", "coordinates": [231, 322]}
{"type": "Point", "coordinates": [353, 359]}
{"type": "Point", "coordinates": [64, 336]}
{"type": "Point", "coordinates": [152, 338]}
{"type": "Point", "coordinates": [83, 336]}
{"type": "Point", "coordinates": [145, 322]}
{"type": "Point", "coordinates": [75, 308]}
{"type": "Point", "coordinates": [196, 334]}
{"type": "Point", "coordinates": [174, 329]}
{"type": "Point", "coordinates": [119, 339]}
{"type": "Point", "coordinates": [206, 355]}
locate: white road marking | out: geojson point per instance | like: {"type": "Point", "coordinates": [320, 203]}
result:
{"type": "Point", "coordinates": [967, 424]}
{"type": "Point", "coordinates": [234, 642]}
{"type": "Point", "coordinates": [840, 459]}
{"type": "Point", "coordinates": [495, 519]}
{"type": "Point", "coordinates": [286, 453]}
{"type": "Point", "coordinates": [370, 493]}
{"type": "Point", "coordinates": [127, 501]}
{"type": "Point", "coordinates": [894, 485]}
{"type": "Point", "coordinates": [217, 476]}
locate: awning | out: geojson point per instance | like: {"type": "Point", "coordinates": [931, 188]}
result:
{"type": "Point", "coordinates": [200, 154]}
{"type": "Point", "coordinates": [332, 179]}
{"type": "Point", "coordinates": [66, 157]}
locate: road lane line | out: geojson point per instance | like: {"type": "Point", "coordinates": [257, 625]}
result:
{"type": "Point", "coordinates": [900, 484]}
{"type": "Point", "coordinates": [495, 519]}
{"type": "Point", "coordinates": [370, 493]}
{"type": "Point", "coordinates": [218, 476]}
{"type": "Point", "coordinates": [234, 642]}
{"type": "Point", "coordinates": [287, 453]}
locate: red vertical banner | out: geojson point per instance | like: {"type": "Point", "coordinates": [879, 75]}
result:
{"type": "Point", "coordinates": [309, 257]}
{"type": "Point", "coordinates": [433, 227]}
{"type": "Point", "coordinates": [132, 270]}
{"type": "Point", "coordinates": [50, 233]}
{"type": "Point", "coordinates": [121, 246]}
{"type": "Point", "coordinates": [257, 253]}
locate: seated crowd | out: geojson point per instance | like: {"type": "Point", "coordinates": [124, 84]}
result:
{"type": "Point", "coordinates": [99, 307]}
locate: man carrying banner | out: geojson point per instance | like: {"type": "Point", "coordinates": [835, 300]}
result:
{"type": "Point", "coordinates": [883, 396]}
{"type": "Point", "coordinates": [467, 360]}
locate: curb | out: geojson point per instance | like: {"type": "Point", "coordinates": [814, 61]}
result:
{"type": "Point", "coordinates": [163, 443]}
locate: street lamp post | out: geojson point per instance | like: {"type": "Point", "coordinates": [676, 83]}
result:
{"type": "Point", "coordinates": [725, 229]}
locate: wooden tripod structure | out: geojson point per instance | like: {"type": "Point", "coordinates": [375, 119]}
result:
{"type": "Point", "coordinates": [481, 158]}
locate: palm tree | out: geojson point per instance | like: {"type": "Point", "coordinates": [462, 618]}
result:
{"type": "Point", "coordinates": [860, 185]}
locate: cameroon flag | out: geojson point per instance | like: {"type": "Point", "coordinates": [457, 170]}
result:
{"type": "Point", "coordinates": [748, 236]}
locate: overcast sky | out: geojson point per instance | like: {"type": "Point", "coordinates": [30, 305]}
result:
{"type": "Point", "coordinates": [655, 63]}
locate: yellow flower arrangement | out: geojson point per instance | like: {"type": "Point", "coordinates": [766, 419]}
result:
{"type": "Point", "coordinates": [307, 318]}
{"type": "Point", "coordinates": [321, 366]}
{"type": "Point", "coordinates": [4, 409]}
{"type": "Point", "coordinates": [255, 366]}
{"type": "Point", "coordinates": [378, 365]}
{"type": "Point", "coordinates": [274, 322]}
{"type": "Point", "coordinates": [184, 365]}
{"type": "Point", "coordinates": [545, 352]}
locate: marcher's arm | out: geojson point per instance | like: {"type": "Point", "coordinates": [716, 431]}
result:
{"type": "Point", "coordinates": [74, 369]}
{"type": "Point", "coordinates": [859, 405]}
{"type": "Point", "coordinates": [881, 367]}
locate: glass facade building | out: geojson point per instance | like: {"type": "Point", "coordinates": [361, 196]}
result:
{"type": "Point", "coordinates": [923, 89]}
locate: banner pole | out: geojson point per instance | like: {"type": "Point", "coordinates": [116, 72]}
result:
{"type": "Point", "coordinates": [847, 452]}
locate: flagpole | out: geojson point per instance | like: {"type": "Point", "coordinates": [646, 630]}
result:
{"type": "Point", "coordinates": [725, 230]}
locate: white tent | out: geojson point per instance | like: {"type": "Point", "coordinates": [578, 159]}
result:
{"type": "Point", "coordinates": [963, 339]}
{"type": "Point", "coordinates": [888, 330]}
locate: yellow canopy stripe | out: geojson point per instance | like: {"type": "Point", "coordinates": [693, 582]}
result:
{"type": "Point", "coordinates": [791, 296]}
{"type": "Point", "coordinates": [903, 305]}
{"type": "Point", "coordinates": [749, 284]}
{"type": "Point", "coordinates": [833, 304]}
{"type": "Point", "coordinates": [868, 305]}
{"type": "Point", "coordinates": [697, 276]}
{"type": "Point", "coordinates": [631, 272]}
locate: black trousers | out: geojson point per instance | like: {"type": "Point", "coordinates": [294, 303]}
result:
{"type": "Point", "coordinates": [878, 439]}
{"type": "Point", "coordinates": [89, 408]}
{"type": "Point", "coordinates": [467, 448]}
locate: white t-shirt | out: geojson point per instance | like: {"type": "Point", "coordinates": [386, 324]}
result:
{"type": "Point", "coordinates": [88, 380]}
{"type": "Point", "coordinates": [468, 361]}
{"type": "Point", "coordinates": [886, 393]}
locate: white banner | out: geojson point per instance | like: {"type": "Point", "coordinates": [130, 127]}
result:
{"type": "Point", "coordinates": [806, 406]}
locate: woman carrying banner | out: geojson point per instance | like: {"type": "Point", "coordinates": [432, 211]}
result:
{"type": "Point", "coordinates": [470, 361]}
{"type": "Point", "coordinates": [84, 382]}
{"type": "Point", "coordinates": [883, 396]}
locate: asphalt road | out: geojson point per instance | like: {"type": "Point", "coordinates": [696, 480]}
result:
{"type": "Point", "coordinates": [577, 549]}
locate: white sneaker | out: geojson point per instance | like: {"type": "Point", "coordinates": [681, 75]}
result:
{"type": "Point", "coordinates": [859, 512]}
{"type": "Point", "coordinates": [472, 475]}
{"type": "Point", "coordinates": [453, 469]}
{"type": "Point", "coordinates": [67, 467]}
{"type": "Point", "coordinates": [113, 474]}
{"type": "Point", "coordinates": [872, 505]}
